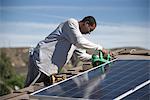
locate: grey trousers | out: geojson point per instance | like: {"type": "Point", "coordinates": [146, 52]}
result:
{"type": "Point", "coordinates": [34, 75]}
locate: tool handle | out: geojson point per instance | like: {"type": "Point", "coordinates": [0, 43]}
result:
{"type": "Point", "coordinates": [101, 56]}
{"type": "Point", "coordinates": [109, 57]}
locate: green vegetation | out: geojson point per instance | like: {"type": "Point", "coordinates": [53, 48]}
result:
{"type": "Point", "coordinates": [9, 79]}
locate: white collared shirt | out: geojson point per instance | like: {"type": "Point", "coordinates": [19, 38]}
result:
{"type": "Point", "coordinates": [56, 49]}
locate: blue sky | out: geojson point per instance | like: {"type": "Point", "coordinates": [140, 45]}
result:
{"type": "Point", "coordinates": [120, 22]}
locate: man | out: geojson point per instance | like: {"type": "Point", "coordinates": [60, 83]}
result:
{"type": "Point", "coordinates": [55, 50]}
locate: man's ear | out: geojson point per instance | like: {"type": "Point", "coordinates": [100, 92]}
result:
{"type": "Point", "coordinates": [87, 22]}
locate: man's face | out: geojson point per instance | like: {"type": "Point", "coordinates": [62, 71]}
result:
{"type": "Point", "coordinates": [87, 28]}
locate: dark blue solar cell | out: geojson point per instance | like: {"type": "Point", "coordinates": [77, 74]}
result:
{"type": "Point", "coordinates": [119, 77]}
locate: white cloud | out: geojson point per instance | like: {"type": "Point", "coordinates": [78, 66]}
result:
{"type": "Point", "coordinates": [23, 33]}
{"type": "Point", "coordinates": [27, 24]}
{"type": "Point", "coordinates": [121, 35]}
{"type": "Point", "coordinates": [66, 8]}
{"type": "Point", "coordinates": [121, 28]}
{"type": "Point", "coordinates": [29, 34]}
{"type": "Point", "coordinates": [56, 7]}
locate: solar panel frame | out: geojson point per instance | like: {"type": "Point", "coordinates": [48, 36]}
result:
{"type": "Point", "coordinates": [32, 95]}
{"type": "Point", "coordinates": [36, 95]}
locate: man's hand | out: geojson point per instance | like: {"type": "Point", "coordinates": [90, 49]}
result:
{"type": "Point", "coordinates": [106, 52]}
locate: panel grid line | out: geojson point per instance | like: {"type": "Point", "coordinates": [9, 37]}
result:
{"type": "Point", "coordinates": [120, 72]}
{"type": "Point", "coordinates": [87, 83]}
{"type": "Point", "coordinates": [132, 90]}
{"type": "Point", "coordinates": [71, 77]}
{"type": "Point", "coordinates": [121, 79]}
{"type": "Point", "coordinates": [125, 84]}
{"type": "Point", "coordinates": [113, 82]}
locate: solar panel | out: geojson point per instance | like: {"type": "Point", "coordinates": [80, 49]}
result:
{"type": "Point", "coordinates": [128, 79]}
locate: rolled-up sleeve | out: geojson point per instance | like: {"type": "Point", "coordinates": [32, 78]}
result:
{"type": "Point", "coordinates": [81, 53]}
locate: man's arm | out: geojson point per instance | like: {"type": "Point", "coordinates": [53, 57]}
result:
{"type": "Point", "coordinates": [72, 33]}
{"type": "Point", "coordinates": [81, 53]}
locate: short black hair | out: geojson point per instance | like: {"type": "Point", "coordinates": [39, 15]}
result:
{"type": "Point", "coordinates": [91, 20]}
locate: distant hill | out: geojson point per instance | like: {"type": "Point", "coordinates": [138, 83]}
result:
{"type": "Point", "coordinates": [129, 48]}
{"type": "Point", "coordinates": [119, 48]}
{"type": "Point", "coordinates": [19, 56]}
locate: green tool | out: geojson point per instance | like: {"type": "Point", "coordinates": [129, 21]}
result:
{"type": "Point", "coordinates": [98, 60]}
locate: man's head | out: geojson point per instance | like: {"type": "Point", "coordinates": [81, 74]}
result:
{"type": "Point", "coordinates": [87, 24]}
